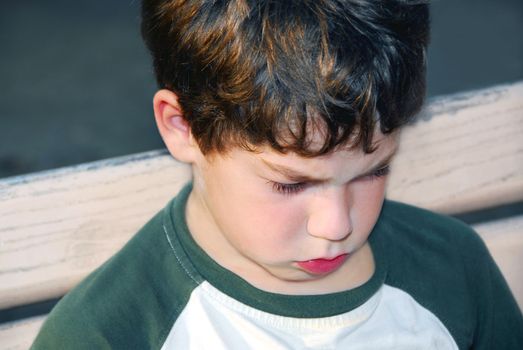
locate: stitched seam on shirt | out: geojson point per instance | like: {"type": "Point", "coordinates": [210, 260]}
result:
{"type": "Point", "coordinates": [178, 308]}
{"type": "Point", "coordinates": [178, 258]}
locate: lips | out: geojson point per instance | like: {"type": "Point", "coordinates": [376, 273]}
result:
{"type": "Point", "coordinates": [322, 266]}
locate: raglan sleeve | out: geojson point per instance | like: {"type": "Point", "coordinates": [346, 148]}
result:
{"type": "Point", "coordinates": [70, 326]}
{"type": "Point", "coordinates": [59, 335]}
{"type": "Point", "coordinates": [499, 321]}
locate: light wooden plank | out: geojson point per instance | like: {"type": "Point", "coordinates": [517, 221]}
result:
{"type": "Point", "coordinates": [465, 153]}
{"type": "Point", "coordinates": [57, 226]}
{"type": "Point", "coordinates": [20, 335]}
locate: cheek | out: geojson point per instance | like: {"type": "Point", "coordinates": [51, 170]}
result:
{"type": "Point", "coordinates": [267, 226]}
{"type": "Point", "coordinates": [368, 199]}
{"type": "Point", "coordinates": [278, 219]}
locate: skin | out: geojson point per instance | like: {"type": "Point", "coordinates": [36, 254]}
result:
{"type": "Point", "coordinates": [259, 214]}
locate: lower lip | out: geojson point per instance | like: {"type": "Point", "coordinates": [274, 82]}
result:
{"type": "Point", "coordinates": [322, 266]}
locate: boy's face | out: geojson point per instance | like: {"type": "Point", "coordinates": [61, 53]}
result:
{"type": "Point", "coordinates": [290, 224]}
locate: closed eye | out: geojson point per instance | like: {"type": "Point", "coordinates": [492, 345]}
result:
{"type": "Point", "coordinates": [288, 189]}
{"type": "Point", "coordinates": [381, 172]}
{"type": "Point", "coordinates": [297, 187]}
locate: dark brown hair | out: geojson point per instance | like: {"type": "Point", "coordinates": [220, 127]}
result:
{"type": "Point", "coordinates": [252, 72]}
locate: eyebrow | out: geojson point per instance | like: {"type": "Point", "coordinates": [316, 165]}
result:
{"type": "Point", "coordinates": [296, 176]}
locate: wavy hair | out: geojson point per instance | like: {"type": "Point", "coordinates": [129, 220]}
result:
{"type": "Point", "coordinates": [269, 72]}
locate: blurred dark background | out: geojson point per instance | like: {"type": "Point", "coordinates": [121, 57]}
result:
{"type": "Point", "coordinates": [76, 82]}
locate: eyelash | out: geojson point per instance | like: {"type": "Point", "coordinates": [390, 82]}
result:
{"type": "Point", "coordinates": [288, 189]}
{"type": "Point", "coordinates": [384, 171]}
{"type": "Point", "coordinates": [293, 188]}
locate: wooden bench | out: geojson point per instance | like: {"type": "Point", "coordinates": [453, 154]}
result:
{"type": "Point", "coordinates": [464, 154]}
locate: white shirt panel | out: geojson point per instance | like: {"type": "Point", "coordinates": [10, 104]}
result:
{"type": "Point", "coordinates": [391, 319]}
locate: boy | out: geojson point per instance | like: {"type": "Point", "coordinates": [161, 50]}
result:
{"type": "Point", "coordinates": [289, 114]}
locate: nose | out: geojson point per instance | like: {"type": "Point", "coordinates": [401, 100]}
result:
{"type": "Point", "coordinates": [329, 216]}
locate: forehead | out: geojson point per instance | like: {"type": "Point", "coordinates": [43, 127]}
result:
{"type": "Point", "coordinates": [341, 164]}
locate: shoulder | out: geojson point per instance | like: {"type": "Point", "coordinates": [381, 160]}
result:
{"type": "Point", "coordinates": [128, 302]}
{"type": "Point", "coordinates": [426, 256]}
{"type": "Point", "coordinates": [427, 228]}
{"type": "Point", "coordinates": [420, 241]}
{"type": "Point", "coordinates": [446, 267]}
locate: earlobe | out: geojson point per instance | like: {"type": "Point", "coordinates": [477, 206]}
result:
{"type": "Point", "coordinates": [173, 126]}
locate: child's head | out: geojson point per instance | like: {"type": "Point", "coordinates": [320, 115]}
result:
{"type": "Point", "coordinates": [286, 112]}
{"type": "Point", "coordinates": [250, 73]}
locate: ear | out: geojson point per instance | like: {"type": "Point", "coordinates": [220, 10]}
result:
{"type": "Point", "coordinates": [173, 127]}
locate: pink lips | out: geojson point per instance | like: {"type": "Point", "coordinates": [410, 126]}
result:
{"type": "Point", "coordinates": [322, 266]}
